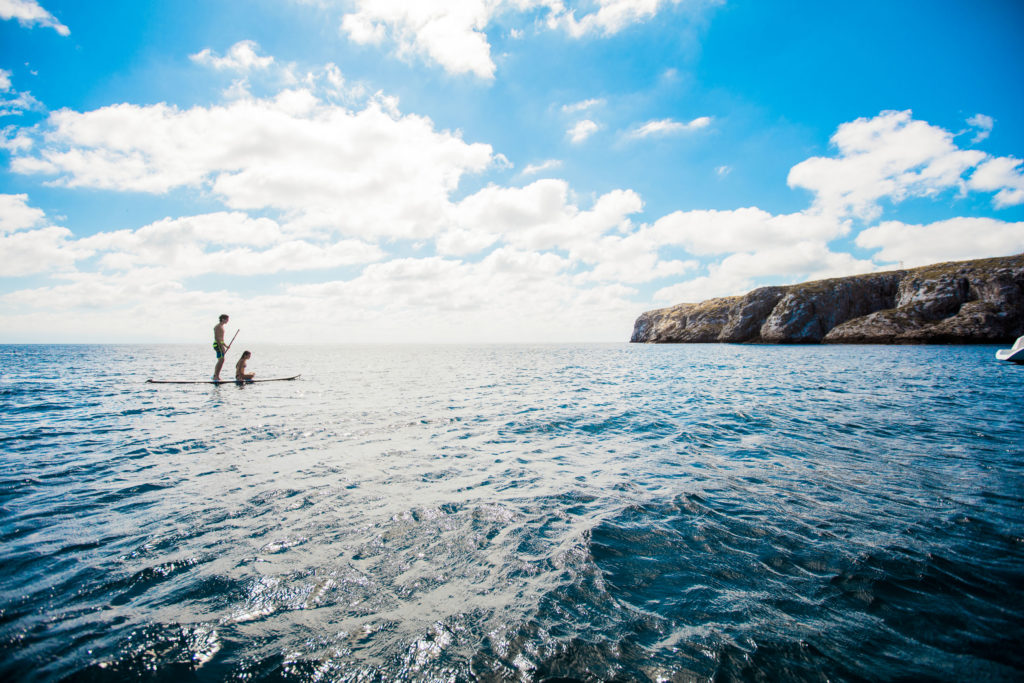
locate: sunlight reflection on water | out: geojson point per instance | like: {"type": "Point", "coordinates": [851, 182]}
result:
{"type": "Point", "coordinates": [503, 512]}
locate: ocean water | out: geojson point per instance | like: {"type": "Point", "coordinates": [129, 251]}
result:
{"type": "Point", "coordinates": [507, 513]}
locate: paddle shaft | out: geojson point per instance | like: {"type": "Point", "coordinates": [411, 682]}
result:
{"type": "Point", "coordinates": [232, 341]}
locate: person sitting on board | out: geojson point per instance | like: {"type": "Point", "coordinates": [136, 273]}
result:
{"type": "Point", "coordinates": [219, 347]}
{"type": "Point", "coordinates": [240, 374]}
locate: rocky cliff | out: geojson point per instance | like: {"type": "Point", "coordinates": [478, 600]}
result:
{"type": "Point", "coordinates": [964, 302]}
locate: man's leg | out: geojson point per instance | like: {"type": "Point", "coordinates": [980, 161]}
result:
{"type": "Point", "coordinates": [216, 370]}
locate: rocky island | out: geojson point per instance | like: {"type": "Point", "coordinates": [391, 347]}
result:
{"type": "Point", "coordinates": [964, 302]}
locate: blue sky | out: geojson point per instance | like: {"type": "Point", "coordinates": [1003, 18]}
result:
{"type": "Point", "coordinates": [486, 170]}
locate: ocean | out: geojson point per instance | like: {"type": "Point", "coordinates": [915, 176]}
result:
{"type": "Point", "coordinates": [512, 513]}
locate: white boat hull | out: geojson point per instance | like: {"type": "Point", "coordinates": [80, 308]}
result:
{"type": "Point", "coordinates": [1012, 355]}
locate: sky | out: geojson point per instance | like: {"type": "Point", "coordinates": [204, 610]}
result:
{"type": "Point", "coordinates": [438, 171]}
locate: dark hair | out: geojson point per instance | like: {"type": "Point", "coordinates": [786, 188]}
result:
{"type": "Point", "coordinates": [222, 316]}
{"type": "Point", "coordinates": [246, 354]}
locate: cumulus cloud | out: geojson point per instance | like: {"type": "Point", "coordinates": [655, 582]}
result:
{"type": "Point", "coordinates": [954, 239]}
{"type": "Point", "coordinates": [16, 214]}
{"type": "Point", "coordinates": [28, 246]}
{"type": "Point", "coordinates": [453, 33]}
{"type": "Point", "coordinates": [510, 294]}
{"type": "Point", "coordinates": [18, 104]}
{"type": "Point", "coordinates": [889, 156]}
{"type": "Point", "coordinates": [583, 105]}
{"type": "Point", "coordinates": [223, 242]}
{"type": "Point", "coordinates": [30, 13]}
{"type": "Point", "coordinates": [611, 16]}
{"type": "Point", "coordinates": [242, 56]}
{"type": "Point", "coordinates": [711, 232]}
{"type": "Point", "coordinates": [534, 169]}
{"type": "Point", "coordinates": [1002, 175]}
{"type": "Point", "coordinates": [894, 157]}
{"type": "Point", "coordinates": [542, 217]}
{"type": "Point", "coordinates": [668, 127]}
{"type": "Point", "coordinates": [38, 251]}
{"type": "Point", "coordinates": [13, 103]}
{"type": "Point", "coordinates": [738, 273]}
{"type": "Point", "coordinates": [372, 172]}
{"type": "Point", "coordinates": [448, 32]}
{"type": "Point", "coordinates": [631, 258]}
{"type": "Point", "coordinates": [983, 124]}
{"type": "Point", "coordinates": [582, 130]}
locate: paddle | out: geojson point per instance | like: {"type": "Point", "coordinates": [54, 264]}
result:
{"type": "Point", "coordinates": [232, 341]}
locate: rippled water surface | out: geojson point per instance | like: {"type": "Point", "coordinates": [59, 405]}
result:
{"type": "Point", "coordinates": [637, 513]}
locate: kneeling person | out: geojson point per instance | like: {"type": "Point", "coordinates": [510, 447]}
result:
{"type": "Point", "coordinates": [240, 373]}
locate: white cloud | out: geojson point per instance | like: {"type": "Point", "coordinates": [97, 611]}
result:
{"type": "Point", "coordinates": [577, 107]}
{"type": "Point", "coordinates": [890, 156]}
{"type": "Point", "coordinates": [242, 56]}
{"type": "Point", "coordinates": [15, 140]}
{"type": "Point", "coordinates": [510, 294]}
{"type": "Point", "coordinates": [702, 288]}
{"type": "Point", "coordinates": [710, 232]}
{"type": "Point", "coordinates": [534, 169]}
{"type": "Point", "coordinates": [796, 262]}
{"type": "Point", "coordinates": [453, 33]}
{"type": "Point", "coordinates": [582, 130]}
{"type": "Point", "coordinates": [752, 245]}
{"type": "Point", "coordinates": [29, 13]}
{"type": "Point", "coordinates": [738, 273]}
{"type": "Point", "coordinates": [954, 239]}
{"type": "Point", "coordinates": [222, 228]}
{"type": "Point", "coordinates": [723, 171]}
{"type": "Point", "coordinates": [1002, 175]}
{"type": "Point", "coordinates": [231, 243]}
{"type": "Point", "coordinates": [14, 103]}
{"type": "Point", "coordinates": [449, 32]}
{"type": "Point", "coordinates": [631, 258]}
{"type": "Point", "coordinates": [16, 214]}
{"type": "Point", "coordinates": [611, 16]}
{"type": "Point", "coordinates": [38, 251]}
{"type": "Point", "coordinates": [539, 216]}
{"type": "Point", "coordinates": [371, 173]}
{"type": "Point", "coordinates": [668, 127]}
{"type": "Point", "coordinates": [983, 124]}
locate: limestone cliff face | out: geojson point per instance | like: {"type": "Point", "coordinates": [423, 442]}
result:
{"type": "Point", "coordinates": [962, 302]}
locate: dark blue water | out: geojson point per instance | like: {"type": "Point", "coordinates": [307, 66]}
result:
{"type": "Point", "coordinates": [636, 513]}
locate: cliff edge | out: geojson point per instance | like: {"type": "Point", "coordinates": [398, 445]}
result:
{"type": "Point", "coordinates": [962, 302]}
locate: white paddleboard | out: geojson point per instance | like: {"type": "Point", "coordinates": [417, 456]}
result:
{"type": "Point", "coordinates": [220, 381]}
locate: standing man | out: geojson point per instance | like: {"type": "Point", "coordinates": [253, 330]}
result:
{"type": "Point", "coordinates": [219, 346]}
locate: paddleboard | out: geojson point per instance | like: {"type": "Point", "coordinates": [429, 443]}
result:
{"type": "Point", "coordinates": [220, 381]}
{"type": "Point", "coordinates": [1012, 355]}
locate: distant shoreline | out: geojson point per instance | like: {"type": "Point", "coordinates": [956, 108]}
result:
{"type": "Point", "coordinates": [961, 302]}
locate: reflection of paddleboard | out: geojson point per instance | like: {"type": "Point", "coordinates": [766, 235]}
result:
{"type": "Point", "coordinates": [1013, 355]}
{"type": "Point", "coordinates": [219, 381]}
